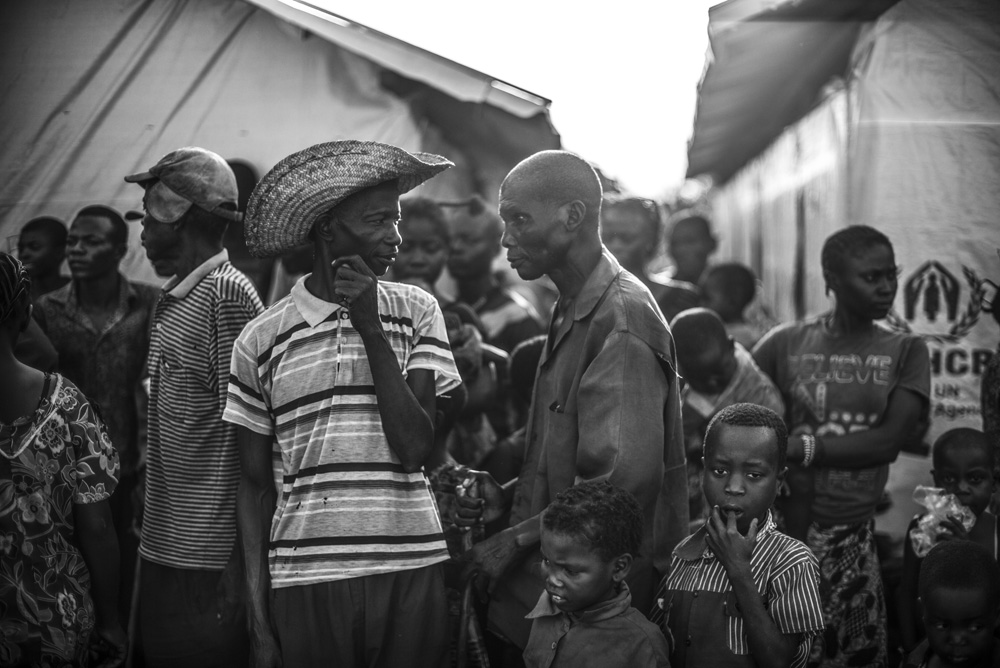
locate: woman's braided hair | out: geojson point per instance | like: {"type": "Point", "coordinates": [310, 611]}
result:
{"type": "Point", "coordinates": [14, 282]}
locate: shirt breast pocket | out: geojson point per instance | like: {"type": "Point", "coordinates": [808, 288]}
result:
{"type": "Point", "coordinates": [174, 388]}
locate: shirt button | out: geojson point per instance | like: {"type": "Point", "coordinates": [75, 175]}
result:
{"type": "Point", "coordinates": [696, 594]}
{"type": "Point", "coordinates": [688, 641]}
{"type": "Point", "coordinates": [554, 645]}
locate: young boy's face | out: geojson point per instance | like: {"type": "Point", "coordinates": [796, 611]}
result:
{"type": "Point", "coordinates": [960, 624]}
{"type": "Point", "coordinates": [967, 472]}
{"type": "Point", "coordinates": [423, 252]}
{"type": "Point", "coordinates": [741, 472]}
{"type": "Point", "coordinates": [576, 577]}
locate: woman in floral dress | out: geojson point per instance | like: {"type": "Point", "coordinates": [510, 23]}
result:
{"type": "Point", "coordinates": [58, 550]}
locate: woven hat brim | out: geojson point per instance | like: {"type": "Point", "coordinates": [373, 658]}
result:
{"type": "Point", "coordinates": [306, 184]}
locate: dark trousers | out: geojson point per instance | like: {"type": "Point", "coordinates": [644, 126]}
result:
{"type": "Point", "coordinates": [179, 623]}
{"type": "Point", "coordinates": [392, 619]}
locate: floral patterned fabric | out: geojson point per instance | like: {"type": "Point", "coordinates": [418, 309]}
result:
{"type": "Point", "coordinates": [57, 457]}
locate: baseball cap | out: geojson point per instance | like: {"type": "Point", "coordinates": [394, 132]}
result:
{"type": "Point", "coordinates": [187, 176]}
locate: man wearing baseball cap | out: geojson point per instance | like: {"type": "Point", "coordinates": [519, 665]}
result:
{"type": "Point", "coordinates": [344, 566]}
{"type": "Point", "coordinates": [190, 572]}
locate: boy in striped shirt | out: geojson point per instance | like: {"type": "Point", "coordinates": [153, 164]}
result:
{"type": "Point", "coordinates": [740, 593]}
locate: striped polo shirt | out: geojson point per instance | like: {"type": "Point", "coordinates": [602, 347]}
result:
{"type": "Point", "coordinates": [783, 569]}
{"type": "Point", "coordinates": [346, 508]}
{"type": "Point", "coordinates": [193, 467]}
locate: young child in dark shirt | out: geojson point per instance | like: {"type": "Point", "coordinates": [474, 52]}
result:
{"type": "Point", "coordinates": [590, 535]}
{"type": "Point", "coordinates": [739, 592]}
{"type": "Point", "coordinates": [728, 289]}
{"type": "Point", "coordinates": [963, 465]}
{"type": "Point", "coordinates": [960, 603]}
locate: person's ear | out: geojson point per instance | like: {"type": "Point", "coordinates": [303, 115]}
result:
{"type": "Point", "coordinates": [831, 281]}
{"type": "Point", "coordinates": [27, 320]}
{"type": "Point", "coordinates": [323, 227]}
{"type": "Point", "coordinates": [623, 564]}
{"type": "Point", "coordinates": [575, 213]}
{"type": "Point", "coordinates": [713, 244]}
{"type": "Point", "coordinates": [120, 251]}
{"type": "Point", "coordinates": [781, 474]}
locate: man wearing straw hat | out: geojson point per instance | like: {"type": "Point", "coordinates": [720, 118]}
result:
{"type": "Point", "coordinates": [189, 608]}
{"type": "Point", "coordinates": [344, 564]}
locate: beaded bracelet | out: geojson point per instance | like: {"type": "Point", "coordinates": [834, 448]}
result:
{"type": "Point", "coordinates": [808, 449]}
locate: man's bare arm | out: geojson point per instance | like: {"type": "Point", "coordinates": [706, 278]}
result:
{"type": "Point", "coordinates": [255, 505]}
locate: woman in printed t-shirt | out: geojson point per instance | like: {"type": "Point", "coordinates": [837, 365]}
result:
{"type": "Point", "coordinates": [855, 392]}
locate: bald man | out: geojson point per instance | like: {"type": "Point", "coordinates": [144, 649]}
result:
{"type": "Point", "coordinates": [507, 317]}
{"type": "Point", "coordinates": [606, 402]}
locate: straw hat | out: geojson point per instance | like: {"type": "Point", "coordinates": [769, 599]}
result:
{"type": "Point", "coordinates": [289, 199]}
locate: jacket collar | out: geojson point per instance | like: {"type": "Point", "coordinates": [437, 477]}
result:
{"type": "Point", "coordinates": [179, 289]}
{"type": "Point", "coordinates": [312, 309]}
{"type": "Point", "coordinates": [611, 608]}
{"type": "Point", "coordinates": [66, 296]}
{"type": "Point", "coordinates": [596, 285]}
{"type": "Point", "coordinates": [593, 290]}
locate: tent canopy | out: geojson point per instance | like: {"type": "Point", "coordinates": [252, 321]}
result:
{"type": "Point", "coordinates": [768, 64]}
{"type": "Point", "coordinates": [94, 90]}
{"type": "Point", "coordinates": [454, 79]}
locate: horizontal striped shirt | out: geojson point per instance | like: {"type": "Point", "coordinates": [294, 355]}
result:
{"type": "Point", "coordinates": [193, 466]}
{"type": "Point", "coordinates": [784, 571]}
{"type": "Point", "coordinates": [346, 506]}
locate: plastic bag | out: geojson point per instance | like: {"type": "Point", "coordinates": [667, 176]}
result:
{"type": "Point", "coordinates": [940, 506]}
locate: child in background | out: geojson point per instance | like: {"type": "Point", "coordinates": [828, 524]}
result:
{"type": "Point", "coordinates": [718, 372]}
{"type": "Point", "coordinates": [424, 249]}
{"type": "Point", "coordinates": [728, 289]}
{"type": "Point", "coordinates": [590, 535]}
{"type": "Point", "coordinates": [739, 592]}
{"type": "Point", "coordinates": [960, 602]}
{"type": "Point", "coordinates": [963, 465]}
{"type": "Point", "coordinates": [41, 247]}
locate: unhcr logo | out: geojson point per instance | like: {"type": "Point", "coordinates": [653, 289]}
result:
{"type": "Point", "coordinates": [933, 304]}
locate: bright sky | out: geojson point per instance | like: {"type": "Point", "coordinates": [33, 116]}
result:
{"type": "Point", "coordinates": [622, 76]}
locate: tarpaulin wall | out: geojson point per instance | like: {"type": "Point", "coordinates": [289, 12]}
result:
{"type": "Point", "coordinates": [910, 145]}
{"type": "Point", "coordinates": [925, 156]}
{"type": "Point", "coordinates": [93, 90]}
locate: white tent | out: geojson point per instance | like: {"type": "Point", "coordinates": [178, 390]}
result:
{"type": "Point", "coordinates": [815, 115]}
{"type": "Point", "coordinates": [902, 133]}
{"type": "Point", "coordinates": [94, 90]}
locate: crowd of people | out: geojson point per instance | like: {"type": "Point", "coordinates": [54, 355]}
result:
{"type": "Point", "coordinates": [381, 470]}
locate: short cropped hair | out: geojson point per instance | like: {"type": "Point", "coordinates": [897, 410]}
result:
{"type": "Point", "coordinates": [426, 209]}
{"type": "Point", "coordinates": [738, 280]}
{"type": "Point", "coordinates": [849, 242]}
{"type": "Point", "coordinates": [752, 415]}
{"type": "Point", "coordinates": [960, 564]}
{"type": "Point", "coordinates": [962, 437]}
{"type": "Point", "coordinates": [645, 208]}
{"type": "Point", "coordinates": [693, 219]}
{"type": "Point", "coordinates": [606, 516]}
{"type": "Point", "coordinates": [50, 226]}
{"type": "Point", "coordinates": [119, 228]}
